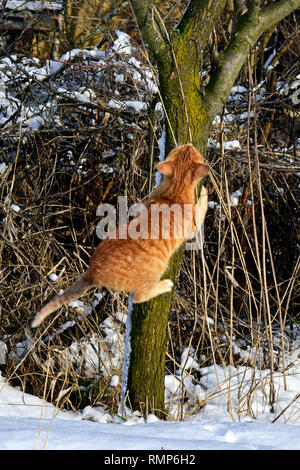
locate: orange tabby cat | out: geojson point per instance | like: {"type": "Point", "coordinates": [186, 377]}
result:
{"type": "Point", "coordinates": [137, 265]}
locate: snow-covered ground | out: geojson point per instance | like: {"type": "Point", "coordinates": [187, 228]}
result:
{"type": "Point", "coordinates": [234, 413]}
{"type": "Point", "coordinates": [27, 422]}
{"type": "Point", "coordinates": [226, 407]}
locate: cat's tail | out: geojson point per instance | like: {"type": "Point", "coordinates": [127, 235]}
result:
{"type": "Point", "coordinates": [72, 292]}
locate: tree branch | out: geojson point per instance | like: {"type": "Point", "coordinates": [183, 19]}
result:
{"type": "Point", "coordinates": [103, 21]}
{"type": "Point", "coordinates": [152, 28]}
{"type": "Point", "coordinates": [230, 62]}
{"type": "Point", "coordinates": [254, 8]}
{"type": "Point", "coordinates": [199, 17]}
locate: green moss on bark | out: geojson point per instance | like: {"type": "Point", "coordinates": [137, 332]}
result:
{"type": "Point", "coordinates": [148, 348]}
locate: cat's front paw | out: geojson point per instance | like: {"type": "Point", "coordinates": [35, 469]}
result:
{"type": "Point", "coordinates": [168, 284]}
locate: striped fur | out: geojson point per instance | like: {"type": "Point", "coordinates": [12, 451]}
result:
{"type": "Point", "coordinates": [137, 265]}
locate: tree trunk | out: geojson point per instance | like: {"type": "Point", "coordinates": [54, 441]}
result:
{"type": "Point", "coordinates": [178, 68]}
{"type": "Point", "coordinates": [148, 348]}
{"type": "Point", "coordinates": [186, 123]}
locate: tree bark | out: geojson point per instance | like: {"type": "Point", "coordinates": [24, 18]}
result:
{"type": "Point", "coordinates": [148, 348]}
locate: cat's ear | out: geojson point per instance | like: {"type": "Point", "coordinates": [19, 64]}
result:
{"type": "Point", "coordinates": [200, 171]}
{"type": "Point", "coordinates": [166, 168]}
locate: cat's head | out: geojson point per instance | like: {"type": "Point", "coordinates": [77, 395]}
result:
{"type": "Point", "coordinates": [184, 163]}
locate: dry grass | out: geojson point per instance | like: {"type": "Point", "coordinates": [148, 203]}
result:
{"type": "Point", "coordinates": [240, 290]}
{"type": "Point", "coordinates": [239, 293]}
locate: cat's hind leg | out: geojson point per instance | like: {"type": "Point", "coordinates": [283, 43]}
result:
{"type": "Point", "coordinates": [146, 293]}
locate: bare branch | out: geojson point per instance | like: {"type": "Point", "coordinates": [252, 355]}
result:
{"type": "Point", "coordinates": [102, 21]}
{"type": "Point", "coordinates": [229, 63]}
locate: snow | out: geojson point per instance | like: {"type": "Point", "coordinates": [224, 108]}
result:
{"type": "Point", "coordinates": [115, 104]}
{"type": "Point", "coordinates": [228, 118]}
{"type": "Point", "coordinates": [234, 414]}
{"type": "Point", "coordinates": [15, 208]}
{"type": "Point", "coordinates": [282, 87]}
{"type": "Point", "coordinates": [3, 167]}
{"type": "Point", "coordinates": [27, 422]}
{"type": "Point", "coordinates": [127, 352]}
{"type": "Point", "coordinates": [238, 89]}
{"type": "Point", "coordinates": [3, 352]}
{"type": "Point", "coordinates": [212, 204]}
{"type": "Point", "coordinates": [122, 44]}
{"type": "Point", "coordinates": [295, 84]}
{"type": "Point", "coordinates": [32, 6]}
{"type": "Point", "coordinates": [138, 106]}
{"type": "Point", "coordinates": [269, 60]}
{"type": "Point", "coordinates": [114, 381]}
{"type": "Point", "coordinates": [31, 90]}
{"type": "Point", "coordinates": [235, 196]}
{"type": "Point", "coordinates": [162, 150]}
{"type": "Point", "coordinates": [230, 145]}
